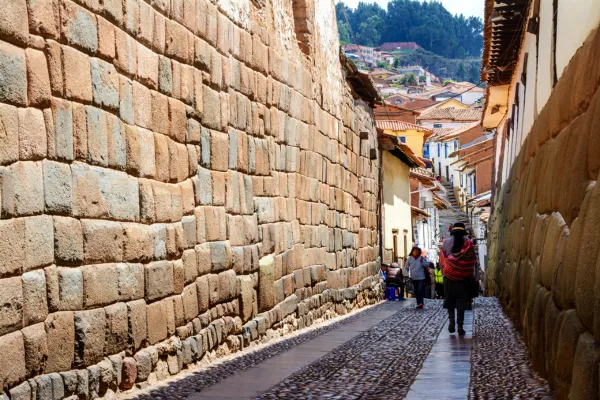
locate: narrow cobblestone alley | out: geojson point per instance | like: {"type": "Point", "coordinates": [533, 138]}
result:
{"type": "Point", "coordinates": [389, 351]}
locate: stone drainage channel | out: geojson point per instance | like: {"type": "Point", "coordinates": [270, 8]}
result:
{"type": "Point", "coordinates": [374, 354]}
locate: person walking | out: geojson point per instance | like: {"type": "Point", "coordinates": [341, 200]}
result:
{"type": "Point", "coordinates": [416, 268]}
{"type": "Point", "coordinates": [439, 282]}
{"type": "Point", "coordinates": [460, 270]}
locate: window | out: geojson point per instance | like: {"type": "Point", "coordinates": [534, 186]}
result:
{"type": "Point", "coordinates": [437, 125]}
{"type": "Point", "coordinates": [402, 139]}
{"type": "Point", "coordinates": [446, 150]}
{"type": "Point", "coordinates": [439, 150]}
{"type": "Point", "coordinates": [426, 150]}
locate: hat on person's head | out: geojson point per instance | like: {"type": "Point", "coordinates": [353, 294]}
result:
{"type": "Point", "coordinates": [458, 229]}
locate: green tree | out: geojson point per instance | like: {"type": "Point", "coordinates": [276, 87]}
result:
{"type": "Point", "coordinates": [343, 33]}
{"type": "Point", "coordinates": [410, 79]}
{"type": "Point", "coordinates": [426, 22]}
{"type": "Point", "coordinates": [369, 31]}
{"type": "Point", "coordinates": [396, 62]}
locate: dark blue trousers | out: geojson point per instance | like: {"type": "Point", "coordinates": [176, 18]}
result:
{"type": "Point", "coordinates": [419, 285]}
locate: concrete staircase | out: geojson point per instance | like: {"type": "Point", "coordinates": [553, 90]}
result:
{"type": "Point", "coordinates": [460, 216]}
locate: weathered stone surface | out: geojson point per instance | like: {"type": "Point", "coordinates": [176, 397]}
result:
{"type": "Point", "coordinates": [129, 375]}
{"type": "Point", "coordinates": [159, 280]}
{"type": "Point", "coordinates": [100, 285]}
{"type": "Point", "coordinates": [13, 74]}
{"type": "Point", "coordinates": [39, 246]}
{"type": "Point", "coordinates": [33, 142]}
{"type": "Point", "coordinates": [12, 348]}
{"type": "Point", "coordinates": [584, 384]}
{"type": "Point", "coordinates": [36, 349]}
{"type": "Point", "coordinates": [266, 283]}
{"type": "Point", "coordinates": [90, 337]}
{"type": "Point", "coordinates": [116, 328]}
{"type": "Point", "coordinates": [156, 322]}
{"type": "Point", "coordinates": [35, 305]}
{"type": "Point", "coordinates": [102, 241]}
{"type": "Point", "coordinates": [68, 240]}
{"type": "Point", "coordinates": [137, 322]}
{"type": "Point", "coordinates": [11, 305]}
{"type": "Point", "coordinates": [60, 337]}
{"type": "Point", "coordinates": [58, 187]}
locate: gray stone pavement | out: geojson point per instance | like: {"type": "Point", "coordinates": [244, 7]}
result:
{"type": "Point", "coordinates": [390, 351]}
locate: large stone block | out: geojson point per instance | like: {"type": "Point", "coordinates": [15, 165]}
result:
{"type": "Point", "coordinates": [13, 73]}
{"type": "Point", "coordinates": [65, 288]}
{"type": "Point", "coordinates": [190, 302]}
{"type": "Point", "coordinates": [12, 246]}
{"type": "Point", "coordinates": [68, 240]}
{"type": "Point", "coordinates": [11, 305]}
{"type": "Point", "coordinates": [138, 242]}
{"type": "Point", "coordinates": [130, 281]}
{"type": "Point", "coordinates": [35, 305]}
{"type": "Point", "coordinates": [100, 285]}
{"type": "Point", "coordinates": [105, 84]}
{"type": "Point", "coordinates": [39, 241]}
{"type": "Point", "coordinates": [13, 22]}
{"type": "Point", "coordinates": [77, 86]}
{"type": "Point", "coordinates": [32, 134]}
{"type": "Point", "coordinates": [266, 283]}
{"type": "Point", "coordinates": [102, 241]}
{"type": "Point", "coordinates": [60, 336]}
{"type": "Point", "coordinates": [12, 348]}
{"type": "Point", "coordinates": [36, 349]}
{"type": "Point", "coordinates": [116, 335]}
{"type": "Point", "coordinates": [584, 384]}
{"type": "Point", "coordinates": [203, 292]}
{"type": "Point", "coordinates": [159, 280]}
{"type": "Point", "coordinates": [101, 192]}
{"type": "Point", "coordinates": [58, 187]}
{"type": "Point", "coordinates": [157, 321]}
{"type": "Point", "coordinates": [221, 256]}
{"type": "Point", "coordinates": [138, 330]}
{"type": "Point", "coordinates": [79, 27]}
{"type": "Point", "coordinates": [90, 337]}
{"type": "Point", "coordinates": [9, 137]}
{"type": "Point", "coordinates": [247, 296]}
{"type": "Point", "coordinates": [39, 81]}
{"type": "Point", "coordinates": [22, 189]}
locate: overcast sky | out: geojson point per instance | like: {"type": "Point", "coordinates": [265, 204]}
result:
{"type": "Point", "coordinates": [465, 7]}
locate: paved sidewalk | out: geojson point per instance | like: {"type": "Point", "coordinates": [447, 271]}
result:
{"type": "Point", "coordinates": [390, 351]}
{"type": "Point", "coordinates": [255, 381]}
{"type": "Point", "coordinates": [445, 375]}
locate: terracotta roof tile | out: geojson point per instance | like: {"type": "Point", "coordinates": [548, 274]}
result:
{"type": "Point", "coordinates": [400, 126]}
{"type": "Point", "coordinates": [452, 114]}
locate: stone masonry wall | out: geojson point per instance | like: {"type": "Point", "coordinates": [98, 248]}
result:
{"type": "Point", "coordinates": [178, 180]}
{"type": "Point", "coordinates": [545, 243]}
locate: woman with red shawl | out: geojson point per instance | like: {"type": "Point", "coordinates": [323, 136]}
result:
{"type": "Point", "coordinates": [459, 266]}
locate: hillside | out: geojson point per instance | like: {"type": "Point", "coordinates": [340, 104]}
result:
{"type": "Point", "coordinates": [456, 69]}
{"type": "Point", "coordinates": [428, 23]}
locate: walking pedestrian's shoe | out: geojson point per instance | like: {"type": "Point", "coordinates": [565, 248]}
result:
{"type": "Point", "coordinates": [461, 331]}
{"type": "Point", "coordinates": [451, 327]}
{"type": "Point", "coordinates": [419, 305]}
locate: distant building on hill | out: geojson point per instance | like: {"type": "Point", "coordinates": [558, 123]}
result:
{"type": "Point", "coordinates": [391, 46]}
{"type": "Point", "coordinates": [368, 55]}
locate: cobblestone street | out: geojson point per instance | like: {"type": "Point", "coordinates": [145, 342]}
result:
{"type": "Point", "coordinates": [389, 351]}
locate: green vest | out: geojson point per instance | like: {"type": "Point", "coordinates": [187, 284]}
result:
{"type": "Point", "coordinates": [439, 278]}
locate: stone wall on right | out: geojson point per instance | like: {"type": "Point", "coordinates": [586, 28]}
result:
{"type": "Point", "coordinates": [544, 234]}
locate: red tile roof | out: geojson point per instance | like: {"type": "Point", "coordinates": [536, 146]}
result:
{"type": "Point", "coordinates": [400, 126]}
{"type": "Point", "coordinates": [418, 104]}
{"type": "Point", "coordinates": [452, 114]}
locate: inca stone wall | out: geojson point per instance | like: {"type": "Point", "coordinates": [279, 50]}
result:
{"type": "Point", "coordinates": [545, 238]}
{"type": "Point", "coordinates": [179, 180]}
